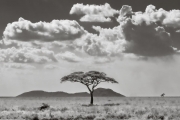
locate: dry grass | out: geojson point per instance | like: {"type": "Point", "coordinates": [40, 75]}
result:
{"type": "Point", "coordinates": [78, 108]}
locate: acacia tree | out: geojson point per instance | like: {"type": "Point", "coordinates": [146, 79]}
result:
{"type": "Point", "coordinates": [90, 79]}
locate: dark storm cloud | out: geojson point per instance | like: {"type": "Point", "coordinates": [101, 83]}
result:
{"type": "Point", "coordinates": [144, 39]}
{"type": "Point", "coordinates": [175, 35]}
{"type": "Point", "coordinates": [145, 32]}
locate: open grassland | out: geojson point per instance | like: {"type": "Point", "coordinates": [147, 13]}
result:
{"type": "Point", "coordinates": [78, 109]}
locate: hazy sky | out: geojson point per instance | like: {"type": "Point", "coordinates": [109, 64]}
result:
{"type": "Point", "coordinates": [135, 42]}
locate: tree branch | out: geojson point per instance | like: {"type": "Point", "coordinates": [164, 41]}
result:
{"type": "Point", "coordinates": [95, 85]}
{"type": "Point", "coordinates": [89, 88]}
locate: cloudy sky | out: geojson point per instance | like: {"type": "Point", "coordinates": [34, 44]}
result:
{"type": "Point", "coordinates": [135, 42]}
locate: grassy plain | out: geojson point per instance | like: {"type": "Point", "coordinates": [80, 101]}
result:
{"type": "Point", "coordinates": [112, 108]}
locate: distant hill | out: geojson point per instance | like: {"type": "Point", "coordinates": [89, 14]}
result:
{"type": "Point", "coordinates": [102, 92]}
{"type": "Point", "coordinates": [99, 92]}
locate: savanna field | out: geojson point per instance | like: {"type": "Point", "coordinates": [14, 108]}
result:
{"type": "Point", "coordinates": [104, 108]}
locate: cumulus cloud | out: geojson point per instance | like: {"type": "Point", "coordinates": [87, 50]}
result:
{"type": "Point", "coordinates": [138, 33]}
{"type": "Point", "coordinates": [60, 47]}
{"type": "Point", "coordinates": [126, 11]}
{"type": "Point", "coordinates": [95, 18]}
{"type": "Point", "coordinates": [149, 33]}
{"type": "Point", "coordinates": [55, 46]}
{"type": "Point", "coordinates": [26, 55]}
{"type": "Point", "coordinates": [69, 56]}
{"type": "Point", "coordinates": [94, 13]}
{"type": "Point", "coordinates": [58, 30]}
{"type": "Point", "coordinates": [109, 34]}
{"type": "Point", "coordinates": [105, 9]}
{"type": "Point", "coordinates": [168, 18]}
{"type": "Point", "coordinates": [4, 44]}
{"type": "Point", "coordinates": [95, 45]}
{"type": "Point", "coordinates": [8, 44]}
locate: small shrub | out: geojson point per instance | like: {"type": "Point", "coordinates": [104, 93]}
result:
{"type": "Point", "coordinates": [100, 118]}
{"type": "Point", "coordinates": [44, 106]}
{"type": "Point", "coordinates": [36, 118]}
{"type": "Point", "coordinates": [107, 109]}
{"type": "Point", "coordinates": [111, 104]}
{"type": "Point", "coordinates": [64, 109]}
{"type": "Point", "coordinates": [175, 116]}
{"type": "Point", "coordinates": [155, 116]}
{"type": "Point", "coordinates": [119, 116]}
{"type": "Point", "coordinates": [127, 103]}
{"type": "Point", "coordinates": [140, 112]}
{"type": "Point", "coordinates": [123, 116]}
{"type": "Point", "coordinates": [89, 105]}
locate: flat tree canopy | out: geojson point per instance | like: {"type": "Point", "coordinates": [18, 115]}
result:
{"type": "Point", "coordinates": [90, 79]}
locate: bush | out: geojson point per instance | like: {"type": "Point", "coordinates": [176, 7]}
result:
{"type": "Point", "coordinates": [44, 106]}
{"type": "Point", "coordinates": [64, 109]}
{"type": "Point", "coordinates": [111, 104]}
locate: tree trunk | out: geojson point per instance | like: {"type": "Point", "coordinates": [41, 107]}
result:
{"type": "Point", "coordinates": [91, 98]}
